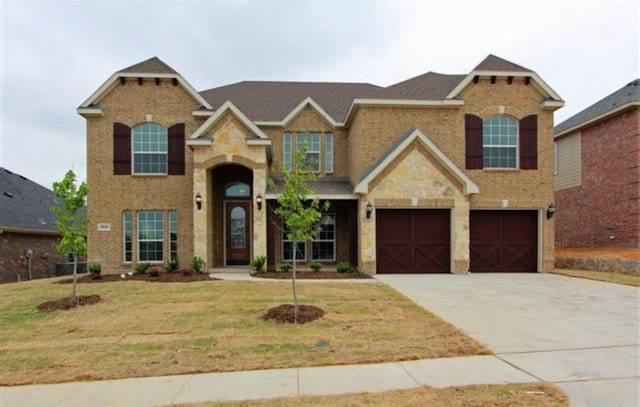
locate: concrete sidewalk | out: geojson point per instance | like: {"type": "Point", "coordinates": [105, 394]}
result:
{"type": "Point", "coordinates": [260, 384]}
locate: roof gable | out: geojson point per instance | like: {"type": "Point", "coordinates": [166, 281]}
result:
{"type": "Point", "coordinates": [25, 204]}
{"type": "Point", "coordinates": [151, 68]}
{"type": "Point", "coordinates": [620, 99]}
{"type": "Point", "coordinates": [497, 64]}
{"type": "Point", "coordinates": [411, 135]}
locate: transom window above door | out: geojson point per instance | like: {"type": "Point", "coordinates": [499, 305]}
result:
{"type": "Point", "coordinates": [237, 190]}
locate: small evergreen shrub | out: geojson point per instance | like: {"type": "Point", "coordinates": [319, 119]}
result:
{"type": "Point", "coordinates": [285, 267]}
{"type": "Point", "coordinates": [197, 264]}
{"type": "Point", "coordinates": [315, 266]}
{"type": "Point", "coordinates": [95, 269]}
{"type": "Point", "coordinates": [186, 271]}
{"type": "Point", "coordinates": [154, 272]}
{"type": "Point", "coordinates": [173, 265]}
{"type": "Point", "coordinates": [141, 268]}
{"type": "Point", "coordinates": [258, 263]}
{"type": "Point", "coordinates": [358, 273]}
{"type": "Point", "coordinates": [343, 267]}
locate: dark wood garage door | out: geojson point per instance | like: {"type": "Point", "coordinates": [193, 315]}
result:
{"type": "Point", "coordinates": [504, 241]}
{"type": "Point", "coordinates": [413, 240]}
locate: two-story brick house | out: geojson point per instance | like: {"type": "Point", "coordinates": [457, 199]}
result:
{"type": "Point", "coordinates": [438, 173]}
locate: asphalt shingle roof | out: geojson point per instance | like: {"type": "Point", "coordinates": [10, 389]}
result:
{"type": "Point", "coordinates": [151, 65]}
{"type": "Point", "coordinates": [626, 94]}
{"type": "Point", "coordinates": [429, 86]}
{"type": "Point", "coordinates": [24, 204]}
{"type": "Point", "coordinates": [273, 101]}
{"type": "Point", "coordinates": [494, 63]}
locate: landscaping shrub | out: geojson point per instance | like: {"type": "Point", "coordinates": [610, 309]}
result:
{"type": "Point", "coordinates": [154, 272]}
{"type": "Point", "coordinates": [358, 273]}
{"type": "Point", "coordinates": [315, 266]}
{"type": "Point", "coordinates": [186, 272]}
{"type": "Point", "coordinates": [141, 268]}
{"type": "Point", "coordinates": [173, 265]}
{"type": "Point", "coordinates": [95, 269]}
{"type": "Point", "coordinates": [285, 267]}
{"type": "Point", "coordinates": [258, 263]}
{"type": "Point", "coordinates": [343, 267]}
{"type": "Point", "coordinates": [196, 264]}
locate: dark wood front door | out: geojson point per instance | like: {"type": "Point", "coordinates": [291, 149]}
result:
{"type": "Point", "coordinates": [504, 241]}
{"type": "Point", "coordinates": [413, 241]}
{"type": "Point", "coordinates": [237, 233]}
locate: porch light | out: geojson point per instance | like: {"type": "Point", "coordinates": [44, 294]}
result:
{"type": "Point", "coordinates": [551, 210]}
{"type": "Point", "coordinates": [259, 201]}
{"type": "Point", "coordinates": [369, 210]}
{"type": "Point", "coordinates": [199, 200]}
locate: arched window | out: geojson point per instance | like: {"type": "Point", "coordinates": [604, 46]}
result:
{"type": "Point", "coordinates": [500, 142]}
{"type": "Point", "coordinates": [149, 147]}
{"type": "Point", "coordinates": [237, 190]}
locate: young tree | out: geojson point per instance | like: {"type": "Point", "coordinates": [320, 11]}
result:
{"type": "Point", "coordinates": [299, 214]}
{"type": "Point", "coordinates": [70, 223]}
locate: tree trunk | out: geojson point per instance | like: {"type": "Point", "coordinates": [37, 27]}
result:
{"type": "Point", "coordinates": [75, 279]}
{"type": "Point", "coordinates": [293, 281]}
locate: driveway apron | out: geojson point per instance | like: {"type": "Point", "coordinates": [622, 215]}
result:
{"type": "Point", "coordinates": [580, 334]}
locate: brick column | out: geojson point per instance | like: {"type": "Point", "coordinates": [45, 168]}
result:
{"type": "Point", "coordinates": [260, 216]}
{"type": "Point", "coordinates": [200, 221]}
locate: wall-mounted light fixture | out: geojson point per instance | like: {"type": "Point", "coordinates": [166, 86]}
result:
{"type": "Point", "coordinates": [369, 210]}
{"type": "Point", "coordinates": [259, 201]}
{"type": "Point", "coordinates": [551, 210]}
{"type": "Point", "coordinates": [199, 200]}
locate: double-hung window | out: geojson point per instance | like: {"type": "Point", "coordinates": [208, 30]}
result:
{"type": "Point", "coordinates": [126, 236]}
{"type": "Point", "coordinates": [500, 142]}
{"type": "Point", "coordinates": [312, 143]}
{"type": "Point", "coordinates": [150, 236]}
{"type": "Point", "coordinates": [149, 142]}
{"type": "Point", "coordinates": [323, 247]}
{"type": "Point", "coordinates": [287, 247]}
{"type": "Point", "coordinates": [173, 235]}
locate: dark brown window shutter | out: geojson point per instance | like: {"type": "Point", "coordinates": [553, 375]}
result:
{"type": "Point", "coordinates": [176, 149]}
{"type": "Point", "coordinates": [121, 149]}
{"type": "Point", "coordinates": [529, 143]}
{"type": "Point", "coordinates": [473, 141]}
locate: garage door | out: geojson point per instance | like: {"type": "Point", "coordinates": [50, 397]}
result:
{"type": "Point", "coordinates": [504, 241]}
{"type": "Point", "coordinates": [413, 240]}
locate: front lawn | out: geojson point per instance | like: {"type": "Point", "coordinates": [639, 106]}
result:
{"type": "Point", "coordinates": [142, 329]}
{"type": "Point", "coordinates": [606, 276]}
{"type": "Point", "coordinates": [506, 395]}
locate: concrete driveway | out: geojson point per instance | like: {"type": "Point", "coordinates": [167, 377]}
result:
{"type": "Point", "coordinates": [581, 334]}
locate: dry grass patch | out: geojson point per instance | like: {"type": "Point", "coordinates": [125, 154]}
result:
{"type": "Point", "coordinates": [142, 329]}
{"type": "Point", "coordinates": [606, 276]}
{"type": "Point", "coordinates": [512, 395]}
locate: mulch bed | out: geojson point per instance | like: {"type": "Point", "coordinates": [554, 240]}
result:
{"type": "Point", "coordinates": [284, 314]}
{"type": "Point", "coordinates": [162, 278]}
{"type": "Point", "coordinates": [67, 303]}
{"type": "Point", "coordinates": [307, 275]}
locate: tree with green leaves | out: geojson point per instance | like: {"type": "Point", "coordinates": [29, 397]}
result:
{"type": "Point", "coordinates": [71, 223]}
{"type": "Point", "coordinates": [300, 215]}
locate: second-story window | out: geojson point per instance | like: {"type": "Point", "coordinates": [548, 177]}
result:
{"type": "Point", "coordinates": [312, 142]}
{"type": "Point", "coordinates": [500, 142]}
{"type": "Point", "coordinates": [149, 142]}
{"type": "Point", "coordinates": [319, 156]}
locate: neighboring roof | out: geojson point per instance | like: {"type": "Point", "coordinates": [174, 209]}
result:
{"type": "Point", "coordinates": [429, 86]}
{"type": "Point", "coordinates": [403, 142]}
{"type": "Point", "coordinates": [621, 98]}
{"type": "Point", "coordinates": [151, 65]}
{"type": "Point", "coordinates": [25, 204]}
{"type": "Point", "coordinates": [273, 101]}
{"type": "Point", "coordinates": [325, 187]}
{"type": "Point", "coordinates": [497, 64]}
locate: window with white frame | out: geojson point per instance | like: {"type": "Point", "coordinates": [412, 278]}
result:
{"type": "Point", "coordinates": [149, 142]}
{"type": "Point", "coordinates": [323, 247]}
{"type": "Point", "coordinates": [328, 153]}
{"type": "Point", "coordinates": [126, 237]}
{"type": "Point", "coordinates": [150, 236]}
{"type": "Point", "coordinates": [287, 247]}
{"type": "Point", "coordinates": [312, 142]}
{"type": "Point", "coordinates": [500, 142]}
{"type": "Point", "coordinates": [173, 235]}
{"type": "Point", "coordinates": [286, 151]}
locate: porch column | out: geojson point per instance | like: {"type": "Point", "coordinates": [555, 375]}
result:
{"type": "Point", "coordinates": [367, 236]}
{"type": "Point", "coordinates": [200, 215]}
{"type": "Point", "coordinates": [460, 237]}
{"type": "Point", "coordinates": [260, 215]}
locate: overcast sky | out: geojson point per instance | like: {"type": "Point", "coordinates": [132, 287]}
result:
{"type": "Point", "coordinates": [54, 54]}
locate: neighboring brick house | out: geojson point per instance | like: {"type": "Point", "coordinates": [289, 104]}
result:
{"type": "Point", "coordinates": [26, 223]}
{"type": "Point", "coordinates": [597, 173]}
{"type": "Point", "coordinates": [438, 173]}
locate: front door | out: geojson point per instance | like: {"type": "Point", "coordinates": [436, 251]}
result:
{"type": "Point", "coordinates": [237, 225]}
